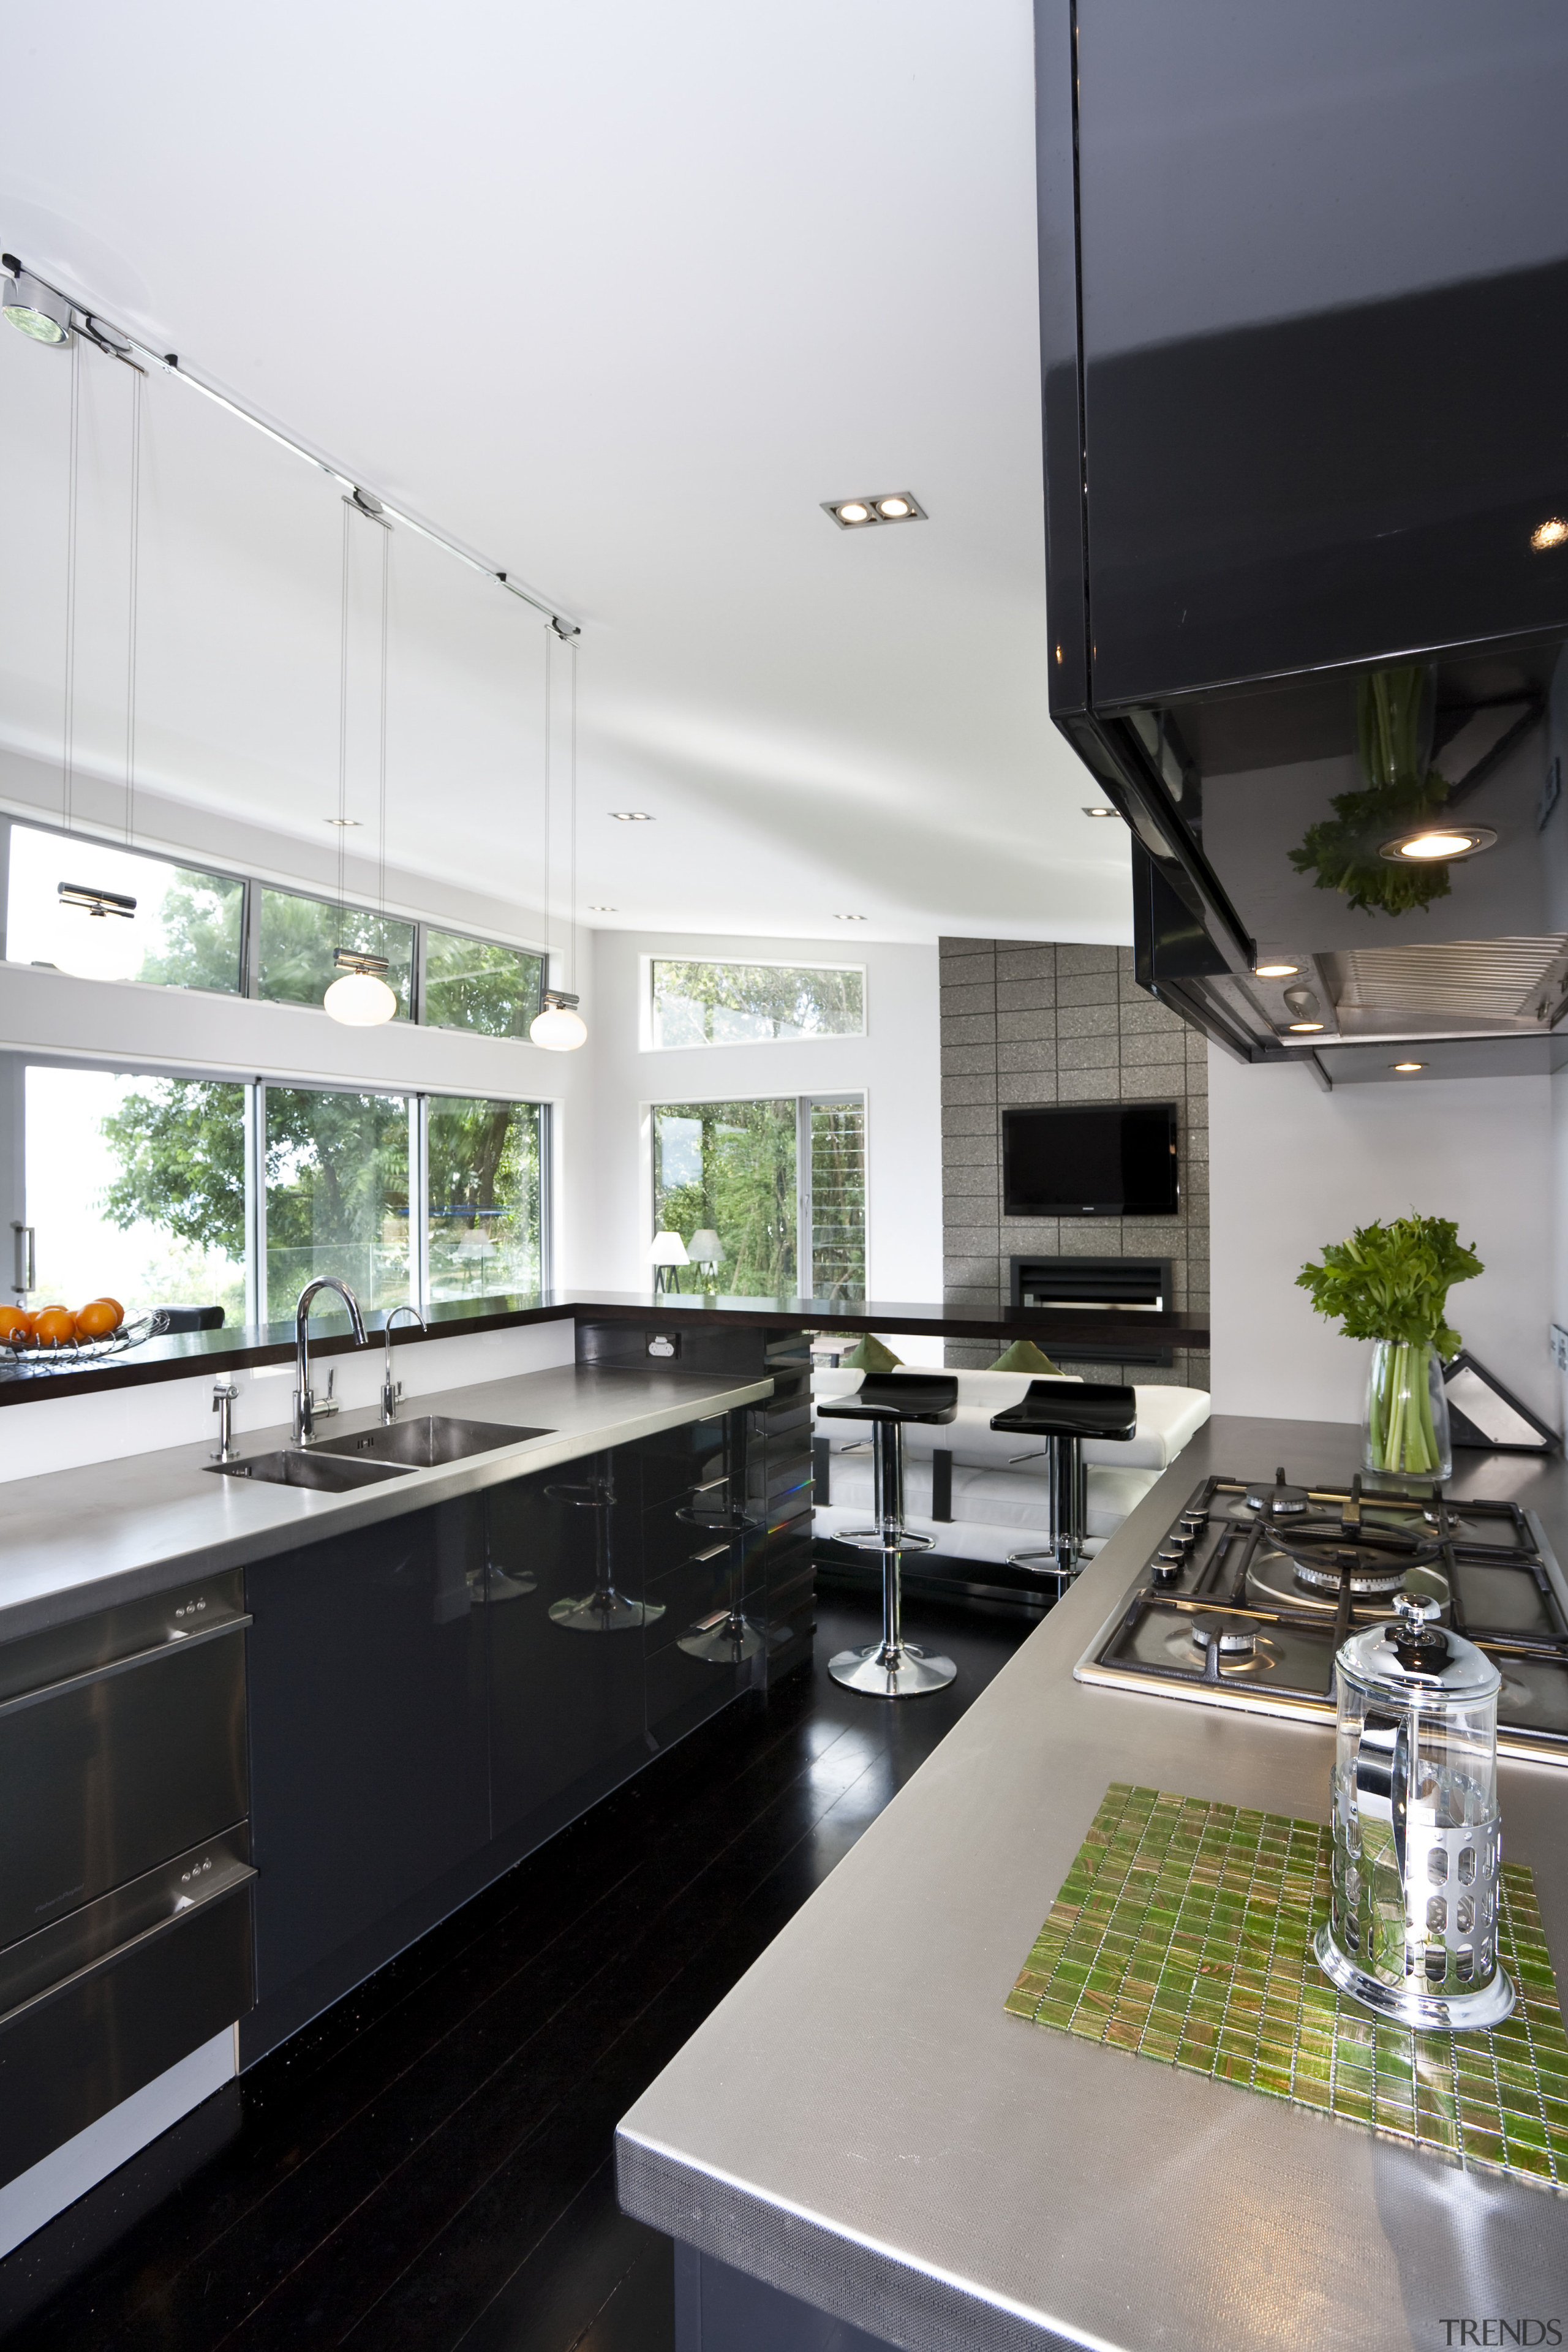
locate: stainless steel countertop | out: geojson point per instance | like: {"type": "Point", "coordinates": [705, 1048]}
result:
{"type": "Point", "coordinates": [859, 2122]}
{"type": "Point", "coordinates": [78, 1540]}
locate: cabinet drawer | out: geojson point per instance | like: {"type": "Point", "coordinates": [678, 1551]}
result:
{"type": "Point", "coordinates": [673, 1461]}
{"type": "Point", "coordinates": [112, 1766]}
{"type": "Point", "coordinates": [682, 1689]}
{"type": "Point", "coordinates": [144, 1984]}
{"type": "Point", "coordinates": [687, 1523]}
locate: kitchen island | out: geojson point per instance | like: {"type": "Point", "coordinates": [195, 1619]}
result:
{"type": "Point", "coordinates": [861, 2147]}
{"type": "Point", "coordinates": [259, 1732]}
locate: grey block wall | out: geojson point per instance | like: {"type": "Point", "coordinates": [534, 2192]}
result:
{"type": "Point", "coordinates": [1027, 1023]}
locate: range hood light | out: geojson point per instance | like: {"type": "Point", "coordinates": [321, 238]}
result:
{"type": "Point", "coordinates": [1275, 970]}
{"type": "Point", "coordinates": [1550, 534]}
{"type": "Point", "coordinates": [1433, 843]}
{"type": "Point", "coordinates": [1304, 1028]}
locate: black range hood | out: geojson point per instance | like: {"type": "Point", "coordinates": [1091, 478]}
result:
{"type": "Point", "coordinates": [1304, 318]}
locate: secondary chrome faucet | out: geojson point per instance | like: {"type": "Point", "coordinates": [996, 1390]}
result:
{"type": "Point", "coordinates": [307, 1412]}
{"type": "Point", "coordinates": [389, 1392]}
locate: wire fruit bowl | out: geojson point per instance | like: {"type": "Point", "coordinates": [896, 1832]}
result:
{"type": "Point", "coordinates": [71, 1355]}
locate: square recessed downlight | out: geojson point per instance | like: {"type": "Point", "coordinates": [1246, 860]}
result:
{"type": "Point", "coordinates": [882, 505]}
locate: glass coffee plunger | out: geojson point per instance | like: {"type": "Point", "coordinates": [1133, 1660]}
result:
{"type": "Point", "coordinates": [1417, 1845]}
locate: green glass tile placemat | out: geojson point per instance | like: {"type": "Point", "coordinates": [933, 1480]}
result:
{"type": "Point", "coordinates": [1184, 1932]}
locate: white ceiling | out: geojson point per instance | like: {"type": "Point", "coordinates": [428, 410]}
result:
{"type": "Point", "coordinates": [616, 295]}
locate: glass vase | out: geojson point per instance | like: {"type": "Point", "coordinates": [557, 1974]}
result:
{"type": "Point", "coordinates": [1404, 1428]}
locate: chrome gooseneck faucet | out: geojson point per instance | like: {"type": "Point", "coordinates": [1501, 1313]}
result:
{"type": "Point", "coordinates": [307, 1412]}
{"type": "Point", "coordinates": [391, 1392]}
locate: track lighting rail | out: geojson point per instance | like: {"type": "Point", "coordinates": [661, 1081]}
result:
{"type": "Point", "coordinates": [120, 344]}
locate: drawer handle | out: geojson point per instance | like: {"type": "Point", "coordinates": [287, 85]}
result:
{"type": "Point", "coordinates": [190, 1905]}
{"type": "Point", "coordinates": [709, 1487]}
{"type": "Point", "coordinates": [122, 1666]}
{"type": "Point", "coordinates": [715, 1552]}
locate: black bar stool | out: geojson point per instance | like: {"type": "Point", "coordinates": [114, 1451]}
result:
{"type": "Point", "coordinates": [891, 1668]}
{"type": "Point", "coordinates": [1064, 1412]}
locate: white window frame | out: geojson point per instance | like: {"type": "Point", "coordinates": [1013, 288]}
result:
{"type": "Point", "coordinates": [648, 1044]}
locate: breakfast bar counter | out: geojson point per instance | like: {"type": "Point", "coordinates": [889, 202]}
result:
{"type": "Point", "coordinates": [861, 2130]}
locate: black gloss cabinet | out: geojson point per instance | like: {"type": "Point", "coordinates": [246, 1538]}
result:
{"type": "Point", "coordinates": [432, 1697]}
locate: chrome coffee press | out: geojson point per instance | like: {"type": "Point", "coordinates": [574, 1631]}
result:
{"type": "Point", "coordinates": [1417, 1845]}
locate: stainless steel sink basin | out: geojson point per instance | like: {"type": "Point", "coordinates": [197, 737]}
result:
{"type": "Point", "coordinates": [423, 1439]}
{"type": "Point", "coordinates": [294, 1465]}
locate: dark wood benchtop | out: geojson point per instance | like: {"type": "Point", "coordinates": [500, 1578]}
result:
{"type": "Point", "coordinates": [179, 1355]}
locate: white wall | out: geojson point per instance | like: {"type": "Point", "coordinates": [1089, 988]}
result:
{"type": "Point", "coordinates": [1292, 1168]}
{"type": "Point", "coordinates": [896, 1064]}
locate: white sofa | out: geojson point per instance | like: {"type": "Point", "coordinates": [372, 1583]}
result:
{"type": "Point", "coordinates": [1000, 1496]}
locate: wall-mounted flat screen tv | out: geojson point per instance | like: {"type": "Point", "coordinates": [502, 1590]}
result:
{"type": "Point", "coordinates": [1089, 1159]}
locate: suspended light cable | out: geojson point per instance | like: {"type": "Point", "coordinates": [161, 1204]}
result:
{"type": "Point", "coordinates": [133, 607]}
{"type": "Point", "coordinates": [559, 1027]}
{"type": "Point", "coordinates": [73, 471]}
{"type": "Point", "coordinates": [360, 996]}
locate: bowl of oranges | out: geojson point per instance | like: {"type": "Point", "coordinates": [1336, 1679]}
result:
{"type": "Point", "coordinates": [57, 1333]}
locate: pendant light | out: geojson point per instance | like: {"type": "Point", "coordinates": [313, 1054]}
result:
{"type": "Point", "coordinates": [97, 937]}
{"type": "Point", "coordinates": [561, 1028]}
{"type": "Point", "coordinates": [359, 997]}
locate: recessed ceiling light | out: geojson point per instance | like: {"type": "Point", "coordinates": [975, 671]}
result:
{"type": "Point", "coordinates": [1304, 1027]}
{"type": "Point", "coordinates": [342, 822]}
{"type": "Point", "coordinates": [1407, 1066]}
{"type": "Point", "coordinates": [884, 506]}
{"type": "Point", "coordinates": [1275, 970]}
{"type": "Point", "coordinates": [631, 816]}
{"type": "Point", "coordinates": [604, 910]}
{"type": "Point", "coordinates": [1100, 812]}
{"type": "Point", "coordinates": [1550, 534]}
{"type": "Point", "coordinates": [851, 918]}
{"type": "Point", "coordinates": [1433, 843]}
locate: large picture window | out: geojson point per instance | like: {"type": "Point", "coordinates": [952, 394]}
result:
{"type": "Point", "coordinates": [781, 1180]}
{"type": "Point", "coordinates": [484, 1197]}
{"type": "Point", "coordinates": [696, 1003]}
{"type": "Point", "coordinates": [184, 927]}
{"type": "Point", "coordinates": [166, 1191]}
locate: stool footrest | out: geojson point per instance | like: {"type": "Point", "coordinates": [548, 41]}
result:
{"type": "Point", "coordinates": [873, 1539]}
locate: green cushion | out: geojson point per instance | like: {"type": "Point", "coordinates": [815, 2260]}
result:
{"type": "Point", "coordinates": [868, 1355]}
{"type": "Point", "coordinates": [1023, 1356]}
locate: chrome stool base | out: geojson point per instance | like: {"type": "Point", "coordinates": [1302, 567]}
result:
{"type": "Point", "coordinates": [726, 1640]}
{"type": "Point", "coordinates": [604, 1613]}
{"type": "Point", "coordinates": [884, 1673]}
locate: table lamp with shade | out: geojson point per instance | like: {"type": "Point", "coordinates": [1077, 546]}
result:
{"type": "Point", "coordinates": [707, 1251]}
{"type": "Point", "coordinates": [668, 1252]}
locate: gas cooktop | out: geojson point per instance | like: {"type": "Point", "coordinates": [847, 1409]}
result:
{"type": "Point", "coordinates": [1256, 1583]}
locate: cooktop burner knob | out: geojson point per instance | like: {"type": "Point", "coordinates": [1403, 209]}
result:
{"type": "Point", "coordinates": [1194, 1521]}
{"type": "Point", "coordinates": [1168, 1561]}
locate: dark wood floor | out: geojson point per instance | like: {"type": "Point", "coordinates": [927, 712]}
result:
{"type": "Point", "coordinates": [429, 2164]}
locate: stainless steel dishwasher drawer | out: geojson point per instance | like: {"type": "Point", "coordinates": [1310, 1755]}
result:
{"type": "Point", "coordinates": [121, 1742]}
{"type": "Point", "coordinates": [103, 2002]}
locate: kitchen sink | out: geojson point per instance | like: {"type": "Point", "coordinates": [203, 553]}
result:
{"type": "Point", "coordinates": [423, 1439]}
{"type": "Point", "coordinates": [294, 1465]}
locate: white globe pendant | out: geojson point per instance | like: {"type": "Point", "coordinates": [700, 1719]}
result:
{"type": "Point", "coordinates": [360, 999]}
{"type": "Point", "coordinates": [559, 1028]}
{"type": "Point", "coordinates": [96, 940]}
